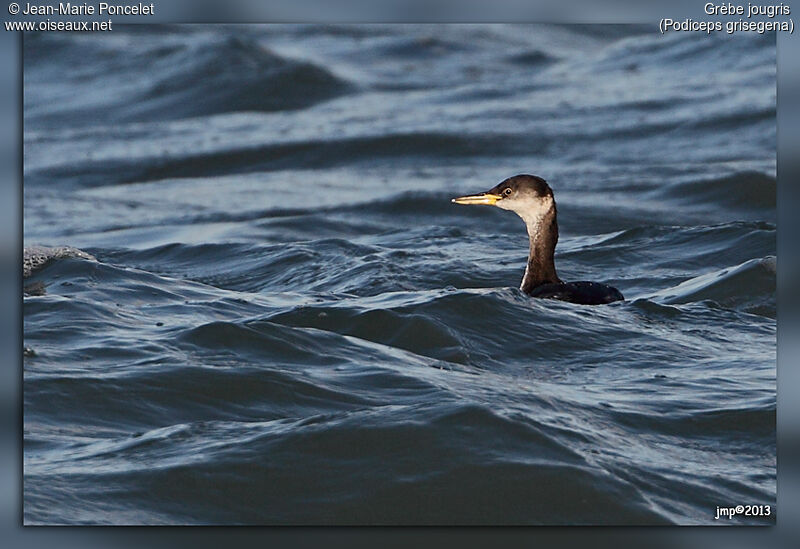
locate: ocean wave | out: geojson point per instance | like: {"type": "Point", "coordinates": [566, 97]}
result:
{"type": "Point", "coordinates": [502, 483]}
{"type": "Point", "coordinates": [657, 52]}
{"type": "Point", "coordinates": [531, 58]}
{"type": "Point", "coordinates": [671, 248]}
{"type": "Point", "coordinates": [757, 421]}
{"type": "Point", "coordinates": [749, 286]}
{"type": "Point", "coordinates": [739, 191]}
{"type": "Point", "coordinates": [242, 376]}
{"type": "Point", "coordinates": [419, 47]}
{"type": "Point", "coordinates": [35, 258]}
{"type": "Point", "coordinates": [236, 74]}
{"type": "Point", "coordinates": [205, 77]}
{"type": "Point", "coordinates": [311, 154]}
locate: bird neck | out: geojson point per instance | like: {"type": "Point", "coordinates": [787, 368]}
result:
{"type": "Point", "coordinates": [543, 236]}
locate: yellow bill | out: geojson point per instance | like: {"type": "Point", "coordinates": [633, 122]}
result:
{"type": "Point", "coordinates": [483, 198]}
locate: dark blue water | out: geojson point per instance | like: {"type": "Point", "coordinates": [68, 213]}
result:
{"type": "Point", "coordinates": [289, 323]}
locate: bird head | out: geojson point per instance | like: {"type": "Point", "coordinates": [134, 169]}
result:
{"type": "Point", "coordinates": [529, 196]}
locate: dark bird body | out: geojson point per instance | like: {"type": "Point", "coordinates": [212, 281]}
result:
{"type": "Point", "coordinates": [531, 198]}
{"type": "Point", "coordinates": [584, 293]}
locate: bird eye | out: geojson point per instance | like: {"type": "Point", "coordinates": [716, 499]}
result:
{"type": "Point", "coordinates": [507, 191]}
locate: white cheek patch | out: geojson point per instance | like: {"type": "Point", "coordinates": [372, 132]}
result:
{"type": "Point", "coordinates": [504, 204]}
{"type": "Point", "coordinates": [531, 210]}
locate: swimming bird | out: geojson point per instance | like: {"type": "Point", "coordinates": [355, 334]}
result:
{"type": "Point", "coordinates": [531, 198]}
